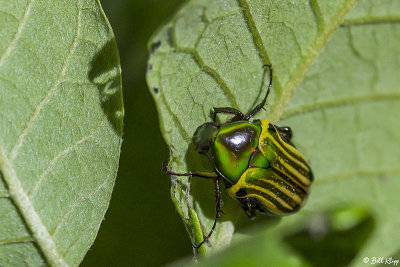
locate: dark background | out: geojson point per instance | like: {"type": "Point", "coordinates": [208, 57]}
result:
{"type": "Point", "coordinates": [141, 227]}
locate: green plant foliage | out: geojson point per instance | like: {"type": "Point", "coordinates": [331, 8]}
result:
{"type": "Point", "coordinates": [336, 84]}
{"type": "Point", "coordinates": [61, 116]}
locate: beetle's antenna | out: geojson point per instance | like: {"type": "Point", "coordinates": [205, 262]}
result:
{"type": "Point", "coordinates": [261, 105]}
{"type": "Point", "coordinates": [217, 215]}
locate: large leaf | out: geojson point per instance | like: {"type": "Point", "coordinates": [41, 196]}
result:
{"type": "Point", "coordinates": [60, 129]}
{"type": "Point", "coordinates": [211, 54]}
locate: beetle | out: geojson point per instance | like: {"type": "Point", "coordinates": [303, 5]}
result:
{"type": "Point", "coordinates": [256, 160]}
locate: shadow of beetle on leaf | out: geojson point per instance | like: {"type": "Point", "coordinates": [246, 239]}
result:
{"type": "Point", "coordinates": [203, 194]}
{"type": "Point", "coordinates": [105, 74]}
{"type": "Point", "coordinates": [203, 191]}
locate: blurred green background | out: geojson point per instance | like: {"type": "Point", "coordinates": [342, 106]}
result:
{"type": "Point", "coordinates": [141, 227]}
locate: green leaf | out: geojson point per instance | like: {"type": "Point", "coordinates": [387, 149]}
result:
{"type": "Point", "coordinates": [60, 129]}
{"type": "Point", "coordinates": [340, 97]}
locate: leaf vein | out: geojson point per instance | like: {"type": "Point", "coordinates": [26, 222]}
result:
{"type": "Point", "coordinates": [339, 102]}
{"type": "Point", "coordinates": [90, 42]}
{"type": "Point", "coordinates": [371, 20]}
{"type": "Point", "coordinates": [16, 190]}
{"type": "Point", "coordinates": [53, 89]}
{"type": "Point", "coordinates": [17, 35]}
{"type": "Point", "coordinates": [26, 208]}
{"type": "Point", "coordinates": [211, 72]}
{"type": "Point", "coordinates": [319, 19]}
{"type": "Point", "coordinates": [373, 174]}
{"type": "Point", "coordinates": [251, 25]}
{"type": "Point", "coordinates": [258, 42]}
{"type": "Point", "coordinates": [368, 61]}
{"type": "Point", "coordinates": [52, 162]}
{"type": "Point", "coordinates": [73, 207]}
{"type": "Point", "coordinates": [10, 15]}
{"type": "Point", "coordinates": [304, 64]}
{"type": "Point", "coordinates": [35, 54]}
{"type": "Point", "coordinates": [11, 241]}
{"type": "Point", "coordinates": [175, 119]}
{"type": "Point", "coordinates": [199, 61]}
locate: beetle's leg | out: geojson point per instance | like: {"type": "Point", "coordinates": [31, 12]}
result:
{"type": "Point", "coordinates": [207, 175]}
{"type": "Point", "coordinates": [286, 134]}
{"type": "Point", "coordinates": [250, 213]}
{"type": "Point", "coordinates": [261, 105]}
{"type": "Point", "coordinates": [247, 207]}
{"type": "Point", "coordinates": [217, 215]}
{"type": "Point", "coordinates": [238, 115]}
{"type": "Point", "coordinates": [201, 174]}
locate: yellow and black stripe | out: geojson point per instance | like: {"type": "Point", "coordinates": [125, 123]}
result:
{"type": "Point", "coordinates": [283, 157]}
{"type": "Point", "coordinates": [282, 187]}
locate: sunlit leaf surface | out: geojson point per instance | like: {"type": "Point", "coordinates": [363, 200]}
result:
{"type": "Point", "coordinates": [60, 129]}
{"type": "Point", "coordinates": [336, 84]}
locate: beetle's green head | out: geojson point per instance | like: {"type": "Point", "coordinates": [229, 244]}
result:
{"type": "Point", "coordinates": [204, 136]}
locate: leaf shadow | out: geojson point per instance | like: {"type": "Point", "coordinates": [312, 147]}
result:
{"type": "Point", "coordinates": [202, 191]}
{"type": "Point", "coordinates": [105, 74]}
{"type": "Point", "coordinates": [324, 244]}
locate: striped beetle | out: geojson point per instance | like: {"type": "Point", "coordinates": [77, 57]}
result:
{"type": "Point", "coordinates": [258, 163]}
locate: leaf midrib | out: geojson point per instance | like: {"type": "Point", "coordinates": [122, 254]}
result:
{"type": "Point", "coordinates": [31, 217]}
{"type": "Point", "coordinates": [296, 77]}
{"type": "Point", "coordinates": [303, 66]}
{"type": "Point", "coordinates": [15, 190]}
{"type": "Point", "coordinates": [300, 71]}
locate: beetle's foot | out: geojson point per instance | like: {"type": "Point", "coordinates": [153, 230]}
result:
{"type": "Point", "coordinates": [201, 243]}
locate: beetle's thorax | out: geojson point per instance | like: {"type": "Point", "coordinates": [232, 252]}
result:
{"type": "Point", "coordinates": [233, 146]}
